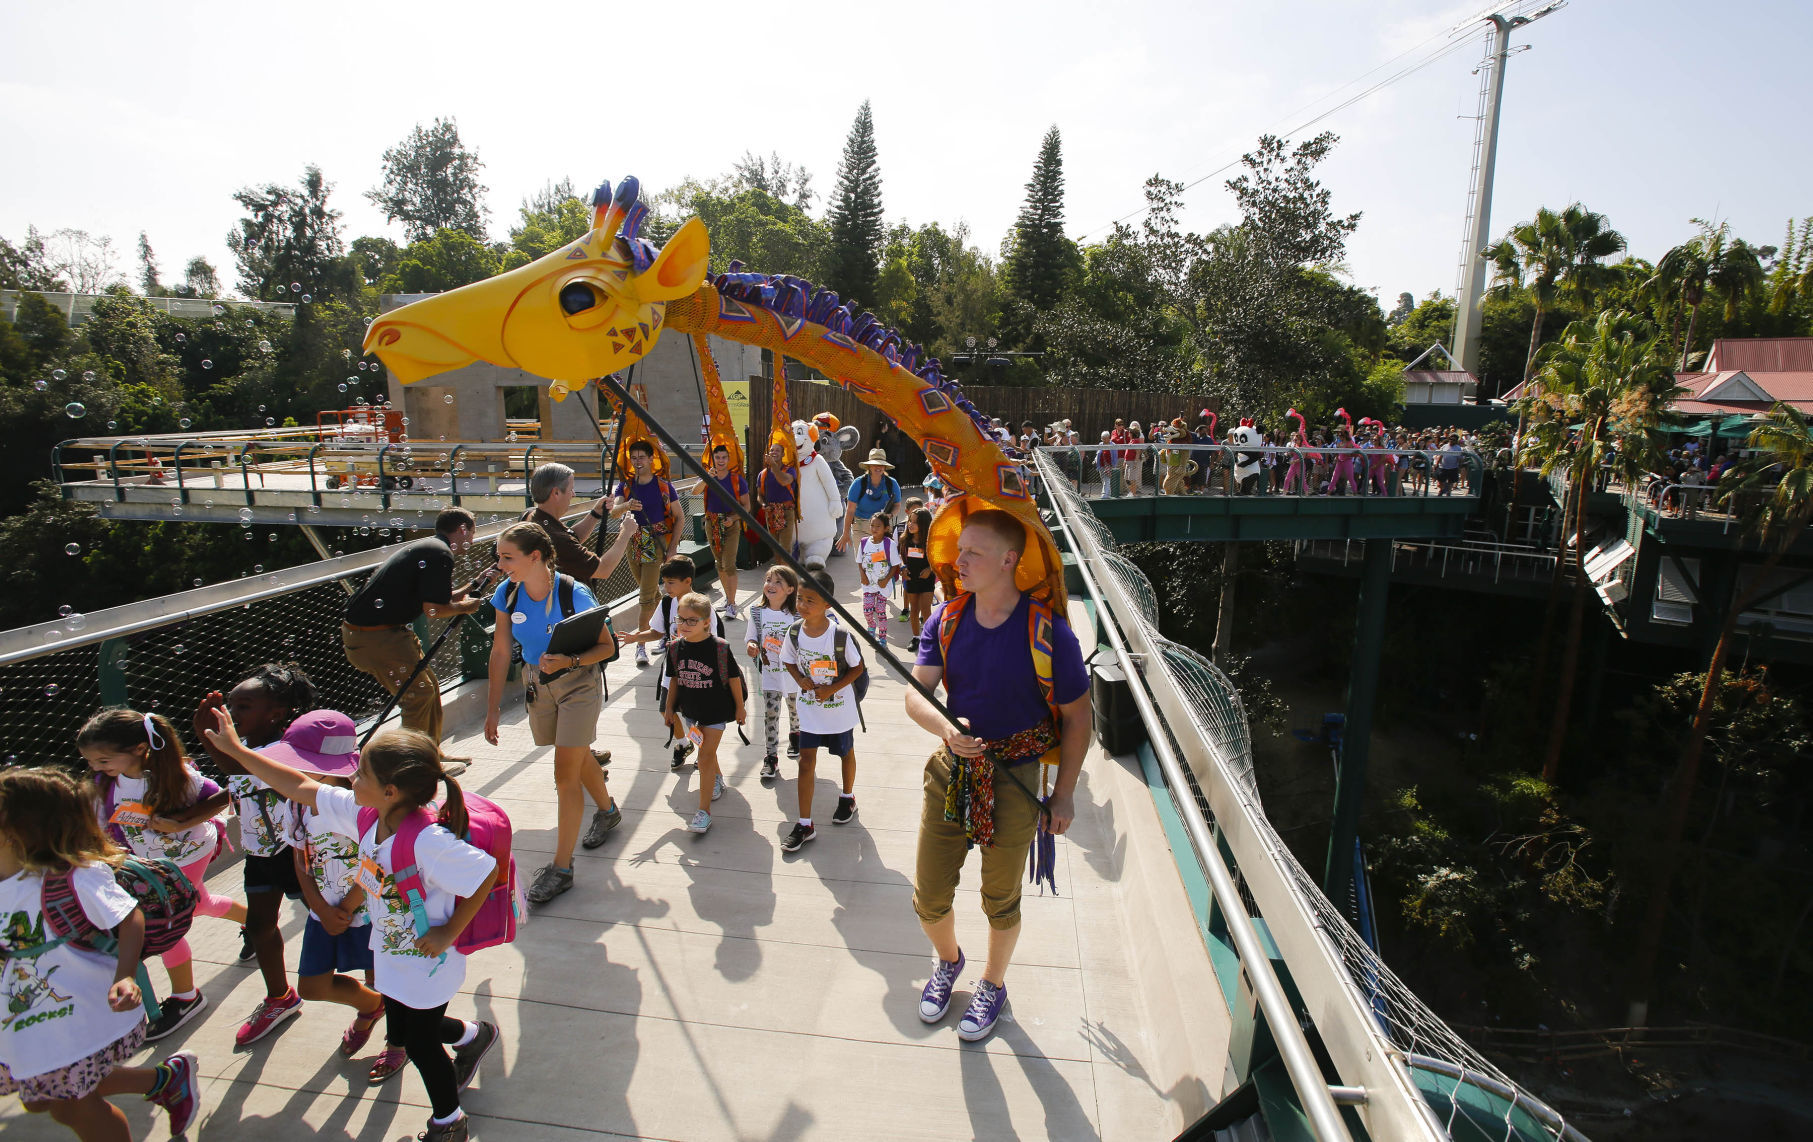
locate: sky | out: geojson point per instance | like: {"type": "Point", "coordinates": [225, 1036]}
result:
{"type": "Point", "coordinates": [117, 118]}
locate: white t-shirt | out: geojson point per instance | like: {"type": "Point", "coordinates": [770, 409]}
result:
{"type": "Point", "coordinates": [264, 815]}
{"type": "Point", "coordinates": [133, 816]}
{"type": "Point", "coordinates": [768, 630]}
{"type": "Point", "coordinates": [333, 857]}
{"type": "Point", "coordinates": [877, 556]}
{"type": "Point", "coordinates": [450, 869]}
{"type": "Point", "coordinates": [56, 1003]}
{"type": "Point", "coordinates": [816, 659]}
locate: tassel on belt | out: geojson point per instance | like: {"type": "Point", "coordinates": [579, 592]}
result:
{"type": "Point", "coordinates": [969, 796]}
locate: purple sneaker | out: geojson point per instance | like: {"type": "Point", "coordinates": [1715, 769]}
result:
{"type": "Point", "coordinates": [181, 1096]}
{"type": "Point", "coordinates": [984, 1008]}
{"type": "Point", "coordinates": [935, 1000]}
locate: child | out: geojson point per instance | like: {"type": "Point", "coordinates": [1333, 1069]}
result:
{"type": "Point", "coordinates": [336, 937]}
{"type": "Point", "coordinates": [74, 1015]}
{"type": "Point", "coordinates": [262, 707]}
{"type": "Point", "coordinates": [153, 803]}
{"type": "Point", "coordinates": [768, 623]}
{"type": "Point", "coordinates": [707, 689]}
{"type": "Point", "coordinates": [399, 773]}
{"type": "Point", "coordinates": [879, 561]}
{"type": "Point", "coordinates": [676, 583]}
{"type": "Point", "coordinates": [918, 582]}
{"type": "Point", "coordinates": [827, 707]}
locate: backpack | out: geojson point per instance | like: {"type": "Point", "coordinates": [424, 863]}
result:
{"type": "Point", "coordinates": [109, 791]}
{"type": "Point", "coordinates": [1039, 626]}
{"type": "Point", "coordinates": [673, 660]}
{"type": "Point", "coordinates": [487, 829]}
{"type": "Point", "coordinates": [564, 588]}
{"type": "Point", "coordinates": [718, 630]}
{"type": "Point", "coordinates": [163, 894]}
{"type": "Point", "coordinates": [840, 641]}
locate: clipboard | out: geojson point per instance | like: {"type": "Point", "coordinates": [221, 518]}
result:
{"type": "Point", "coordinates": [579, 633]}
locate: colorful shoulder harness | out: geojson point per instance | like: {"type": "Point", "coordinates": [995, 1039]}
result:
{"type": "Point", "coordinates": [1039, 634]}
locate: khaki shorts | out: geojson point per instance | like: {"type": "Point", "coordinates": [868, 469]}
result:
{"type": "Point", "coordinates": [942, 846]}
{"type": "Point", "coordinates": [724, 549]}
{"type": "Point", "coordinates": [564, 712]}
{"type": "Point", "coordinates": [648, 582]}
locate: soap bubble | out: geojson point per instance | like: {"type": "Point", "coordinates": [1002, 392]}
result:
{"type": "Point", "coordinates": [181, 337]}
{"type": "Point", "coordinates": [112, 424]}
{"type": "Point", "coordinates": [219, 309]}
{"type": "Point", "coordinates": [418, 563]}
{"type": "Point", "coordinates": [75, 410]}
{"type": "Point", "coordinates": [361, 366]}
{"type": "Point", "coordinates": [260, 408]}
{"type": "Point", "coordinates": [198, 582]}
{"type": "Point", "coordinates": [295, 287]}
{"type": "Point", "coordinates": [88, 376]}
{"type": "Point", "coordinates": [72, 549]}
{"type": "Point", "coordinates": [77, 622]}
{"type": "Point", "coordinates": [176, 511]}
{"type": "Point", "coordinates": [448, 399]}
{"type": "Point", "coordinates": [268, 422]}
{"type": "Point", "coordinates": [342, 387]}
{"type": "Point", "coordinates": [368, 322]}
{"type": "Point", "coordinates": [245, 515]}
{"type": "Point", "coordinates": [57, 374]}
{"type": "Point", "coordinates": [63, 611]}
{"type": "Point", "coordinates": [177, 649]}
{"type": "Point", "coordinates": [248, 323]}
{"type": "Point", "coordinates": [271, 538]}
{"type": "Point", "coordinates": [307, 298]}
{"type": "Point", "coordinates": [378, 603]}
{"type": "Point", "coordinates": [40, 385]}
{"type": "Point", "coordinates": [52, 690]}
{"type": "Point", "coordinates": [346, 354]}
{"type": "Point", "coordinates": [207, 364]}
{"type": "Point", "coordinates": [184, 422]}
{"type": "Point", "coordinates": [257, 568]}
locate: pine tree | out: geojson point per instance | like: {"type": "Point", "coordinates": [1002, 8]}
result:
{"type": "Point", "coordinates": [1042, 261]}
{"type": "Point", "coordinates": [147, 262]}
{"type": "Point", "coordinates": [853, 263]}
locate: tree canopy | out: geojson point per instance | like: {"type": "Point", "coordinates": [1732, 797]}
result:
{"type": "Point", "coordinates": [431, 184]}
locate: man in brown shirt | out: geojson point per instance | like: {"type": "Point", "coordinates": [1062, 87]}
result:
{"type": "Point", "coordinates": [551, 487]}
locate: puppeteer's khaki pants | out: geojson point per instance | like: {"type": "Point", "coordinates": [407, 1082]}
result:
{"type": "Point", "coordinates": [943, 846]}
{"type": "Point", "coordinates": [389, 655]}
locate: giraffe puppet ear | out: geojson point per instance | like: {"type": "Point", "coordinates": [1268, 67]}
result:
{"type": "Point", "coordinates": [681, 267]}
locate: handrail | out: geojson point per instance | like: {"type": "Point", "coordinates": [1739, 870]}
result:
{"type": "Point", "coordinates": [1518, 1099]}
{"type": "Point", "coordinates": [1293, 1047]}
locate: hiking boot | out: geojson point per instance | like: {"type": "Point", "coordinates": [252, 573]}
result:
{"type": "Point", "coordinates": [984, 1009]}
{"type": "Point", "coordinates": [641, 655]}
{"type": "Point", "coordinates": [466, 1059]}
{"type": "Point", "coordinates": [793, 744]}
{"type": "Point", "coordinates": [459, 1130]}
{"type": "Point", "coordinates": [180, 1096]}
{"type": "Point", "coordinates": [935, 1000]}
{"type": "Point", "coordinates": [700, 822]}
{"type": "Point", "coordinates": [798, 837]}
{"type": "Point", "coordinates": [175, 1013]}
{"type": "Point", "coordinates": [771, 768]}
{"type": "Point", "coordinates": [269, 1014]}
{"type": "Point", "coordinates": [846, 811]}
{"type": "Point", "coordinates": [717, 787]}
{"type": "Point", "coordinates": [550, 881]}
{"type": "Point", "coordinates": [603, 821]}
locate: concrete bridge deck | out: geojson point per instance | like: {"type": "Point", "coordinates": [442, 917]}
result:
{"type": "Point", "coordinates": [715, 988]}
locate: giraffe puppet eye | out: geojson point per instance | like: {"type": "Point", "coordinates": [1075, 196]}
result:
{"type": "Point", "coordinates": [577, 297]}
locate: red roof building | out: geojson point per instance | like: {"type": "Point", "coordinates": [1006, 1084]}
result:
{"type": "Point", "coordinates": [1745, 375]}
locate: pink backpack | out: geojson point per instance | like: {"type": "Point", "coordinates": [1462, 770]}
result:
{"type": "Point", "coordinates": [488, 829]}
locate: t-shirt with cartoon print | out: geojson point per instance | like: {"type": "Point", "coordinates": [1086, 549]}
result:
{"type": "Point", "coordinates": [264, 815]}
{"type": "Point", "coordinates": [815, 658]}
{"type": "Point", "coordinates": [768, 630]}
{"type": "Point", "coordinates": [332, 857]}
{"type": "Point", "coordinates": [56, 1001]}
{"type": "Point", "coordinates": [132, 813]}
{"type": "Point", "coordinates": [877, 557]}
{"type": "Point", "coordinates": [450, 868]}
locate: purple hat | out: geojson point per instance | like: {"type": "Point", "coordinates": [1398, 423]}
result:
{"type": "Point", "coordinates": [320, 741]}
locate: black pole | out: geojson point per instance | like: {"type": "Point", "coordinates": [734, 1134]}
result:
{"type": "Point", "coordinates": [610, 461]}
{"type": "Point", "coordinates": [427, 657]}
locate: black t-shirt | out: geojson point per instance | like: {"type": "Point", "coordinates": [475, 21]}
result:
{"type": "Point", "coordinates": [701, 694]}
{"type": "Point", "coordinates": [416, 573]}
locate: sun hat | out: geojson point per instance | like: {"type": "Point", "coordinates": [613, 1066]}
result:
{"type": "Point", "coordinates": [321, 741]}
{"type": "Point", "coordinates": [877, 458]}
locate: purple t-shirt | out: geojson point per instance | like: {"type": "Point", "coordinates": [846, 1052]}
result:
{"type": "Point", "coordinates": [994, 685]}
{"type": "Point", "coordinates": [718, 505]}
{"type": "Point", "coordinates": [651, 502]}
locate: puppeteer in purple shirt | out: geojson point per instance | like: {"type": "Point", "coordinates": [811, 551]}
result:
{"type": "Point", "coordinates": [992, 683]}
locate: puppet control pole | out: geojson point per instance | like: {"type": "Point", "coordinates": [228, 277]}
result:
{"type": "Point", "coordinates": [609, 466]}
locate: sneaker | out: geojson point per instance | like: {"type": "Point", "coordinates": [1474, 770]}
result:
{"type": "Point", "coordinates": [730, 611]}
{"type": "Point", "coordinates": [798, 837]}
{"type": "Point", "coordinates": [771, 768]}
{"type": "Point", "coordinates": [935, 1000]}
{"type": "Point", "coordinates": [793, 745]}
{"type": "Point", "coordinates": [175, 1013]}
{"type": "Point", "coordinates": [550, 881]}
{"type": "Point", "coordinates": [984, 1008]}
{"type": "Point", "coordinates": [700, 821]}
{"type": "Point", "coordinates": [602, 757]}
{"type": "Point", "coordinates": [181, 1093]}
{"type": "Point", "coordinates": [846, 811]}
{"type": "Point", "coordinates": [603, 821]}
{"type": "Point", "coordinates": [246, 949]}
{"type": "Point", "coordinates": [681, 752]}
{"type": "Point", "coordinates": [717, 787]}
{"type": "Point", "coordinates": [454, 766]}
{"type": "Point", "coordinates": [641, 655]}
{"type": "Point", "coordinates": [459, 1130]}
{"type": "Point", "coordinates": [270, 1013]}
{"type": "Point", "coordinates": [466, 1059]}
{"type": "Point", "coordinates": [389, 1061]}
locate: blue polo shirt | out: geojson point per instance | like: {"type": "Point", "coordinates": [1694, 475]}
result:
{"type": "Point", "coordinates": [869, 499]}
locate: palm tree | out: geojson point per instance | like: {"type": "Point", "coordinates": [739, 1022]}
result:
{"type": "Point", "coordinates": [1553, 255]}
{"type": "Point", "coordinates": [1710, 260]}
{"type": "Point", "coordinates": [1611, 378]}
{"type": "Point", "coordinates": [1780, 478]}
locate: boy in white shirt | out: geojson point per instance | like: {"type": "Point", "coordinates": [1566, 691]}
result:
{"type": "Point", "coordinates": [827, 701]}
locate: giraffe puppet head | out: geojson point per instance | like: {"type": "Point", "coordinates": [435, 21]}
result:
{"type": "Point", "coordinates": [589, 308]}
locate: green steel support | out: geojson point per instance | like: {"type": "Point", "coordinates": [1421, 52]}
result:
{"type": "Point", "coordinates": [113, 675]}
{"type": "Point", "coordinates": [1362, 692]}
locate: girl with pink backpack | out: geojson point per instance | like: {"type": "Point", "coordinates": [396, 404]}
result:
{"type": "Point", "coordinates": [439, 884]}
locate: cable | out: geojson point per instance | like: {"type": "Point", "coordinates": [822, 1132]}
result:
{"type": "Point", "coordinates": [1457, 36]}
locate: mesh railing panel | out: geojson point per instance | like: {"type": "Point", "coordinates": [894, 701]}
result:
{"type": "Point", "coordinates": [1401, 1018]}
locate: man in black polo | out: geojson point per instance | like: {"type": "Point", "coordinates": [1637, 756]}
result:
{"type": "Point", "coordinates": [416, 580]}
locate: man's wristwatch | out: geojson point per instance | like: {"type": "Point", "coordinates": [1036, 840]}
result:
{"type": "Point", "coordinates": [595, 514]}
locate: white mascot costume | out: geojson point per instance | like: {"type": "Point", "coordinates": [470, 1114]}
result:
{"type": "Point", "coordinates": [821, 509]}
{"type": "Point", "coordinates": [1247, 466]}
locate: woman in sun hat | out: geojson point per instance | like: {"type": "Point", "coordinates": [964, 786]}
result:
{"type": "Point", "coordinates": [876, 493]}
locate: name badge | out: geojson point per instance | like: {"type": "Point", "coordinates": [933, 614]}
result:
{"type": "Point", "coordinates": [823, 672]}
{"type": "Point", "coordinates": [131, 814]}
{"type": "Point", "coordinates": [915, 553]}
{"type": "Point", "coordinates": [771, 647]}
{"type": "Point", "coordinates": [695, 735]}
{"type": "Point", "coordinates": [371, 877]}
{"type": "Point", "coordinates": [878, 557]}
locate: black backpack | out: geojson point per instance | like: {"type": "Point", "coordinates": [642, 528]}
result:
{"type": "Point", "coordinates": [840, 642]}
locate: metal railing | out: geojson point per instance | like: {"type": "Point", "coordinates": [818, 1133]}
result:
{"type": "Point", "coordinates": [1501, 562]}
{"type": "Point", "coordinates": [1134, 471]}
{"type": "Point", "coordinates": [1378, 1036]}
